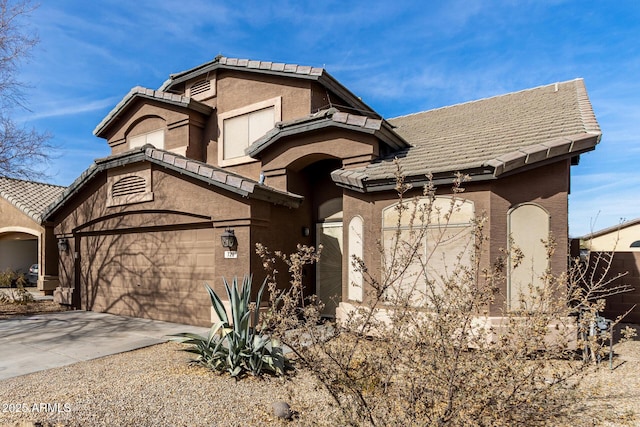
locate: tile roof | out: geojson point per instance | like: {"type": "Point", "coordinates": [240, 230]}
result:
{"type": "Point", "coordinates": [274, 68]}
{"type": "Point", "coordinates": [30, 197]}
{"type": "Point", "coordinates": [331, 117]}
{"type": "Point", "coordinates": [209, 174]}
{"type": "Point", "coordinates": [497, 135]}
{"type": "Point", "coordinates": [141, 92]}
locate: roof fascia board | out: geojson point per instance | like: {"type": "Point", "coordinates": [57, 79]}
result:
{"type": "Point", "coordinates": [325, 79]}
{"type": "Point", "coordinates": [390, 184]}
{"type": "Point", "coordinates": [492, 169]}
{"type": "Point", "coordinates": [302, 128]}
{"type": "Point", "coordinates": [258, 192]}
{"type": "Point", "coordinates": [517, 161]}
{"type": "Point", "coordinates": [328, 81]}
{"type": "Point", "coordinates": [386, 135]}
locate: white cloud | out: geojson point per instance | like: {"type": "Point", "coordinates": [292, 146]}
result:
{"type": "Point", "coordinates": [70, 107]}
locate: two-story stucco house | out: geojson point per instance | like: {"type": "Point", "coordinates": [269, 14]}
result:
{"type": "Point", "coordinates": [282, 154]}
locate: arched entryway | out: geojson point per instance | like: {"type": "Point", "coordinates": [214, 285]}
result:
{"type": "Point", "coordinates": [323, 208]}
{"type": "Point", "coordinates": [19, 250]}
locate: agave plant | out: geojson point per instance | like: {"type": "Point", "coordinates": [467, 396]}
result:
{"type": "Point", "coordinates": [234, 344]}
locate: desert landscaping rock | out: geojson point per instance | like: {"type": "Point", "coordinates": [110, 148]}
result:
{"type": "Point", "coordinates": [156, 386]}
{"type": "Point", "coordinates": [281, 410]}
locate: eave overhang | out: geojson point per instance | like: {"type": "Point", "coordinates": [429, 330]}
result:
{"type": "Point", "coordinates": [203, 172]}
{"type": "Point", "coordinates": [326, 119]}
{"type": "Point", "coordinates": [514, 162]}
{"type": "Point", "coordinates": [149, 94]}
{"type": "Point", "coordinates": [271, 68]}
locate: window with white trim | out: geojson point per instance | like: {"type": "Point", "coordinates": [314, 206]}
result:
{"type": "Point", "coordinates": [242, 127]}
{"type": "Point", "coordinates": [155, 138]}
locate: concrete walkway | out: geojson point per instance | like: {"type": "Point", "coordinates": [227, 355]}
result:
{"type": "Point", "coordinates": [38, 342]}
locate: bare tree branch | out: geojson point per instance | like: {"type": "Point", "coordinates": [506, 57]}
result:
{"type": "Point", "coordinates": [24, 152]}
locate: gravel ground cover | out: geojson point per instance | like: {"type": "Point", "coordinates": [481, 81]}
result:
{"type": "Point", "coordinates": [8, 310]}
{"type": "Point", "coordinates": [156, 386]}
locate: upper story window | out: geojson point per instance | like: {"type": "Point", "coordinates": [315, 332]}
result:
{"type": "Point", "coordinates": [155, 138]}
{"type": "Point", "coordinates": [242, 127]}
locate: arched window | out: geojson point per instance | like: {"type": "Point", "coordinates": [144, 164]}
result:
{"type": "Point", "coordinates": [635, 244]}
{"type": "Point", "coordinates": [356, 281]}
{"type": "Point", "coordinates": [528, 228]}
{"type": "Point", "coordinates": [426, 245]}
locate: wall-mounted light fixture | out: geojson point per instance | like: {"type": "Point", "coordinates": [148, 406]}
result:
{"type": "Point", "coordinates": [63, 245]}
{"type": "Point", "coordinates": [305, 231]}
{"type": "Point", "coordinates": [228, 238]}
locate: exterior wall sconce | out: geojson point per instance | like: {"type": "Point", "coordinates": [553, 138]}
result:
{"type": "Point", "coordinates": [306, 231]}
{"type": "Point", "coordinates": [63, 245]}
{"type": "Point", "coordinates": [228, 239]}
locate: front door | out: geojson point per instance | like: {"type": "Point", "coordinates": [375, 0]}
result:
{"type": "Point", "coordinates": [329, 268]}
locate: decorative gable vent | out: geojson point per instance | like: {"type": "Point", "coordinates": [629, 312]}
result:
{"type": "Point", "coordinates": [129, 185]}
{"type": "Point", "coordinates": [203, 89]}
{"type": "Point", "coordinates": [200, 87]}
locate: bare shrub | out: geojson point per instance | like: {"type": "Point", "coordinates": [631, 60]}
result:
{"type": "Point", "coordinates": [423, 349]}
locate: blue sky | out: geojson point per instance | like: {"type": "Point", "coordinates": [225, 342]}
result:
{"type": "Point", "coordinates": [399, 57]}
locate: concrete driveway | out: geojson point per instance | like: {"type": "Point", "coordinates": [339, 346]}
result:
{"type": "Point", "coordinates": [34, 343]}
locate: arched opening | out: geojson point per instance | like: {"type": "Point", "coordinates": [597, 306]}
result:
{"type": "Point", "coordinates": [19, 252]}
{"type": "Point", "coordinates": [322, 207]}
{"type": "Point", "coordinates": [528, 228]}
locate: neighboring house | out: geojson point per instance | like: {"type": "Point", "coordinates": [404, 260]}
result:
{"type": "Point", "coordinates": [623, 242]}
{"type": "Point", "coordinates": [24, 238]}
{"type": "Point", "coordinates": [282, 154]}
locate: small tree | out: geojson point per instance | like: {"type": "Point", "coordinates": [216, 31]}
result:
{"type": "Point", "coordinates": [422, 350]}
{"type": "Point", "coordinates": [22, 150]}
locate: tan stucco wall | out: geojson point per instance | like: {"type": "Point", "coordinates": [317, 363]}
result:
{"type": "Point", "coordinates": [14, 220]}
{"type": "Point", "coordinates": [183, 128]}
{"type": "Point", "coordinates": [546, 186]}
{"type": "Point", "coordinates": [14, 217]}
{"type": "Point", "coordinates": [617, 240]}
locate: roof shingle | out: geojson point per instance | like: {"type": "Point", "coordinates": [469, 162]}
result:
{"type": "Point", "coordinates": [502, 133]}
{"type": "Point", "coordinates": [30, 197]}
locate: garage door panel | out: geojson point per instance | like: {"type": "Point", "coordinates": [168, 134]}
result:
{"type": "Point", "coordinates": [158, 275]}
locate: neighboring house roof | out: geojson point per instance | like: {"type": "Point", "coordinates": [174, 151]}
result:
{"type": "Point", "coordinates": [206, 173]}
{"type": "Point", "coordinates": [324, 119]}
{"type": "Point", "coordinates": [612, 229]}
{"type": "Point", "coordinates": [30, 197]}
{"type": "Point", "coordinates": [274, 68]}
{"type": "Point", "coordinates": [140, 92]}
{"type": "Point", "coordinates": [487, 138]}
